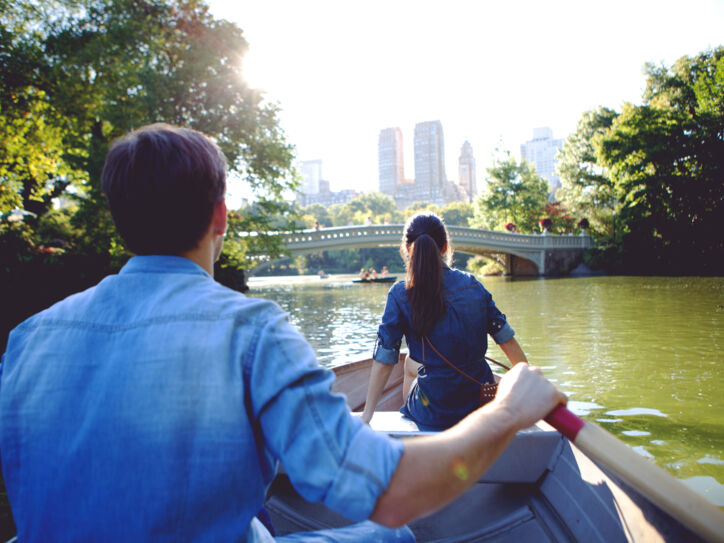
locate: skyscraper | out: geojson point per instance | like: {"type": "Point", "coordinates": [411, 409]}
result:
{"type": "Point", "coordinates": [390, 160]}
{"type": "Point", "coordinates": [541, 152]}
{"type": "Point", "coordinates": [429, 161]}
{"type": "Point", "coordinates": [311, 171]}
{"type": "Point", "coordinates": [466, 170]}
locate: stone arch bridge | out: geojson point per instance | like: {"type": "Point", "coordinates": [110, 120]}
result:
{"type": "Point", "coordinates": [522, 254]}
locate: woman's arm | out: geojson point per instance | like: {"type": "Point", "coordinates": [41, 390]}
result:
{"type": "Point", "coordinates": [379, 375]}
{"type": "Point", "coordinates": [513, 351]}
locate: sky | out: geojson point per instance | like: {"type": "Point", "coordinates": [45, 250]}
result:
{"type": "Point", "coordinates": [491, 72]}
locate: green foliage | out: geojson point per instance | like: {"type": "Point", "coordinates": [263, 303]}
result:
{"type": "Point", "coordinates": [416, 207]}
{"type": "Point", "coordinates": [457, 213]}
{"type": "Point", "coordinates": [318, 213]}
{"type": "Point", "coordinates": [378, 207]}
{"type": "Point", "coordinates": [586, 186]}
{"type": "Point", "coordinates": [665, 159]}
{"type": "Point", "coordinates": [481, 266]}
{"type": "Point", "coordinates": [75, 75]}
{"type": "Point", "coordinates": [514, 192]}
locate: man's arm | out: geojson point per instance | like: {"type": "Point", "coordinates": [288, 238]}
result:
{"type": "Point", "coordinates": [513, 351]}
{"type": "Point", "coordinates": [379, 374]}
{"type": "Point", "coordinates": [433, 470]}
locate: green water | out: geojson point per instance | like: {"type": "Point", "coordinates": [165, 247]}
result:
{"type": "Point", "coordinates": [640, 356]}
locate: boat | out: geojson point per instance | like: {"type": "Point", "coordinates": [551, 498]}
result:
{"type": "Point", "coordinates": [542, 488]}
{"type": "Point", "coordinates": [388, 279]}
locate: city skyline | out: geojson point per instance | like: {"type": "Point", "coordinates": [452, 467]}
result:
{"type": "Point", "coordinates": [491, 73]}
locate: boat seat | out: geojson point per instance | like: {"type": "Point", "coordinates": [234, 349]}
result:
{"type": "Point", "coordinates": [515, 465]}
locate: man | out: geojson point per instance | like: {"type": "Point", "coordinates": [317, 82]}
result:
{"type": "Point", "coordinates": [155, 405]}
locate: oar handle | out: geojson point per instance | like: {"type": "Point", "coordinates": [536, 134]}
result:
{"type": "Point", "coordinates": [563, 420]}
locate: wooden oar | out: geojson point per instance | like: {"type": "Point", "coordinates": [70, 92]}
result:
{"type": "Point", "coordinates": [678, 500]}
{"type": "Point", "coordinates": [691, 509]}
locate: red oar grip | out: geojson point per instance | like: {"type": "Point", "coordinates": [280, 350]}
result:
{"type": "Point", "coordinates": [565, 422]}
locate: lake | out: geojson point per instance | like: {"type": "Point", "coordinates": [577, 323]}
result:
{"type": "Point", "coordinates": [640, 356]}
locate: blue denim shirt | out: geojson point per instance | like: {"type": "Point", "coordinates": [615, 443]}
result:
{"type": "Point", "coordinates": [443, 396]}
{"type": "Point", "coordinates": [154, 406]}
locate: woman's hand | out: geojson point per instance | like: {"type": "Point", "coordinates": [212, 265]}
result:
{"type": "Point", "coordinates": [378, 379]}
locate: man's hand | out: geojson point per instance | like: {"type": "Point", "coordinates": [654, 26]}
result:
{"type": "Point", "coordinates": [526, 395]}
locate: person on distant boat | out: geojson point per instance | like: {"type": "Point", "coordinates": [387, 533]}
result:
{"type": "Point", "coordinates": [384, 272]}
{"type": "Point", "coordinates": [445, 316]}
{"type": "Point", "coordinates": [158, 404]}
{"type": "Point", "coordinates": [373, 273]}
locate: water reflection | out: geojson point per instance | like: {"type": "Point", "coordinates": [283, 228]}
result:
{"type": "Point", "coordinates": [641, 356]}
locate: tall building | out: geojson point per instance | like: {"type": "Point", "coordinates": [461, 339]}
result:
{"type": "Point", "coordinates": [311, 171]}
{"type": "Point", "coordinates": [390, 160]}
{"type": "Point", "coordinates": [466, 171]}
{"type": "Point", "coordinates": [430, 175]}
{"type": "Point", "coordinates": [541, 152]}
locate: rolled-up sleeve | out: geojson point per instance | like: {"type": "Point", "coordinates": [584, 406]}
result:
{"type": "Point", "coordinates": [389, 333]}
{"type": "Point", "coordinates": [498, 326]}
{"type": "Point", "coordinates": [330, 456]}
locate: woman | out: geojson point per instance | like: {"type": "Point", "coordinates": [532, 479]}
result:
{"type": "Point", "coordinates": [444, 314]}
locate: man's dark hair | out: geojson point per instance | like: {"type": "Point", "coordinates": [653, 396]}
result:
{"type": "Point", "coordinates": [161, 183]}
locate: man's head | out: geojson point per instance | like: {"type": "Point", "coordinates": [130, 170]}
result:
{"type": "Point", "coordinates": [162, 183]}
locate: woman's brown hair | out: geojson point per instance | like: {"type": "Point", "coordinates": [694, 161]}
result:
{"type": "Point", "coordinates": [423, 241]}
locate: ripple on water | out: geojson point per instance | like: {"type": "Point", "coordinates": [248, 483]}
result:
{"type": "Point", "coordinates": [709, 487]}
{"type": "Point", "coordinates": [582, 409]}
{"type": "Point", "coordinates": [708, 459]}
{"type": "Point", "coordinates": [636, 411]}
{"type": "Point", "coordinates": [635, 433]}
{"type": "Point", "coordinates": [643, 452]}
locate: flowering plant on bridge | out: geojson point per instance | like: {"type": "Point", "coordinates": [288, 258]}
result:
{"type": "Point", "coordinates": [546, 224]}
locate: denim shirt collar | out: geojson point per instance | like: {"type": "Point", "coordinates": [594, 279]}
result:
{"type": "Point", "coordinates": [162, 264]}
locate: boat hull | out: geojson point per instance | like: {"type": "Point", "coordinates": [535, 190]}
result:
{"type": "Point", "coordinates": [390, 279]}
{"type": "Point", "coordinates": [541, 488]}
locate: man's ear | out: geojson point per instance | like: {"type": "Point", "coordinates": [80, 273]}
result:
{"type": "Point", "coordinates": [219, 217]}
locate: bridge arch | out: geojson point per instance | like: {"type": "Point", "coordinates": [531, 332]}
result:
{"type": "Point", "coordinates": [543, 251]}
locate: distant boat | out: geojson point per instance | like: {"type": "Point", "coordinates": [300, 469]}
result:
{"type": "Point", "coordinates": [388, 279]}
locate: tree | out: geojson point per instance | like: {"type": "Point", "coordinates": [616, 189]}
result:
{"type": "Point", "coordinates": [85, 72]}
{"type": "Point", "coordinates": [457, 213]}
{"type": "Point", "coordinates": [416, 207]}
{"type": "Point", "coordinates": [376, 206]}
{"type": "Point", "coordinates": [665, 158]}
{"type": "Point", "coordinates": [586, 186]}
{"type": "Point", "coordinates": [319, 213]}
{"type": "Point", "coordinates": [379, 207]}
{"type": "Point", "coordinates": [514, 192]}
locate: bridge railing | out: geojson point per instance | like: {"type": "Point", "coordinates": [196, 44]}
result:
{"type": "Point", "coordinates": [460, 235]}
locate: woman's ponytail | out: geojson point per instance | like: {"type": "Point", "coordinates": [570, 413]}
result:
{"type": "Point", "coordinates": [422, 243]}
